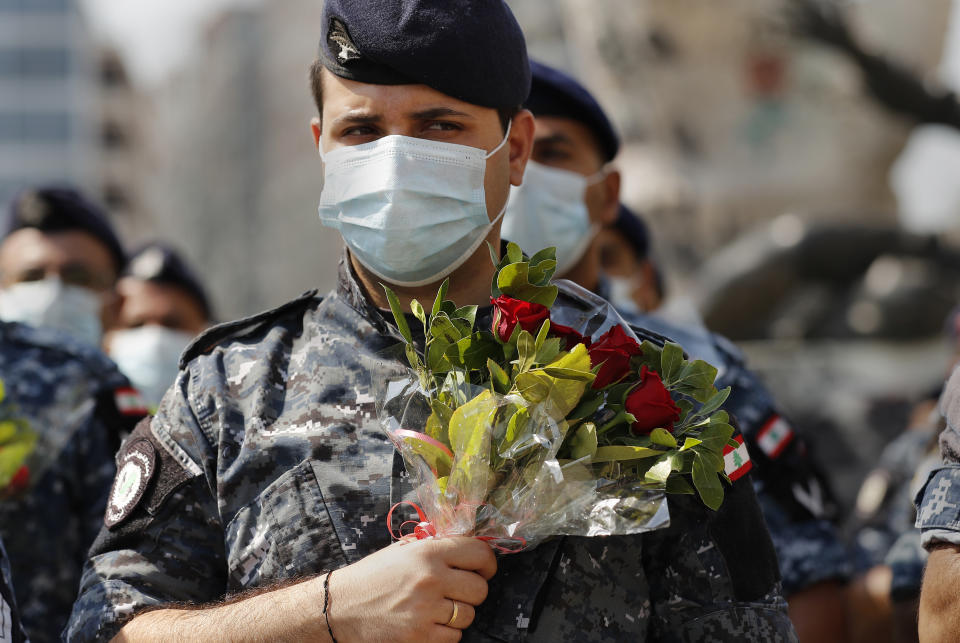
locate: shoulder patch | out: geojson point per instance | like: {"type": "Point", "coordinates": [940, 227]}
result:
{"type": "Point", "coordinates": [774, 437]}
{"type": "Point", "coordinates": [212, 337]}
{"type": "Point", "coordinates": [736, 460]}
{"type": "Point", "coordinates": [135, 469]}
{"type": "Point", "coordinates": [130, 402]}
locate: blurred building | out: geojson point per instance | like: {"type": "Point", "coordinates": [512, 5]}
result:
{"type": "Point", "coordinates": [238, 176]}
{"type": "Point", "coordinates": [67, 111]}
{"type": "Point", "coordinates": [730, 118]}
{"type": "Point", "coordinates": [48, 107]}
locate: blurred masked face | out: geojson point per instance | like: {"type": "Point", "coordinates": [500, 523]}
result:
{"type": "Point", "coordinates": [632, 280]}
{"type": "Point", "coordinates": [155, 324]}
{"type": "Point", "coordinates": [567, 195]}
{"type": "Point", "coordinates": [62, 280]}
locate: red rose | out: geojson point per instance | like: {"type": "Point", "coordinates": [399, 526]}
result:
{"type": "Point", "coordinates": [570, 337]}
{"type": "Point", "coordinates": [613, 349]}
{"type": "Point", "coordinates": [650, 403]}
{"type": "Point", "coordinates": [509, 312]}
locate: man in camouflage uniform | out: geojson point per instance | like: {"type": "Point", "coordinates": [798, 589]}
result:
{"type": "Point", "coordinates": [574, 137]}
{"type": "Point", "coordinates": [76, 401]}
{"type": "Point", "coordinates": [265, 467]}
{"type": "Point", "coordinates": [10, 629]}
{"type": "Point", "coordinates": [938, 518]}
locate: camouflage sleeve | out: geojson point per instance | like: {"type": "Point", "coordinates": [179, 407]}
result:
{"type": "Point", "coordinates": [713, 575]}
{"type": "Point", "coordinates": [938, 501]}
{"type": "Point", "coordinates": [794, 495]}
{"type": "Point", "coordinates": [161, 540]}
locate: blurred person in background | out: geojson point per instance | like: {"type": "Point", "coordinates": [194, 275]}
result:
{"type": "Point", "coordinates": [78, 404]}
{"type": "Point", "coordinates": [570, 192]}
{"type": "Point", "coordinates": [11, 631]}
{"type": "Point", "coordinates": [59, 263]}
{"type": "Point", "coordinates": [163, 306]}
{"type": "Point", "coordinates": [634, 281]}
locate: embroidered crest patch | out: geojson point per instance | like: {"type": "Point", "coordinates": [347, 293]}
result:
{"type": "Point", "coordinates": [137, 465]}
{"type": "Point", "coordinates": [341, 43]}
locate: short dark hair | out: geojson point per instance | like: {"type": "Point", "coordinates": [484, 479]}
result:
{"type": "Point", "coordinates": [316, 88]}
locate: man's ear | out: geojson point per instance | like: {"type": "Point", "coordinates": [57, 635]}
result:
{"type": "Point", "coordinates": [521, 144]}
{"type": "Point", "coordinates": [316, 130]}
{"type": "Point", "coordinates": [611, 198]}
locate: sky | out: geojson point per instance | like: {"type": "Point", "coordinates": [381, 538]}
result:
{"type": "Point", "coordinates": [156, 36]}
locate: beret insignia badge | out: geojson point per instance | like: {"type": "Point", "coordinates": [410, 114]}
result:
{"type": "Point", "coordinates": [341, 43]}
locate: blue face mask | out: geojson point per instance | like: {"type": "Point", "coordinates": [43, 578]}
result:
{"type": "Point", "coordinates": [411, 210]}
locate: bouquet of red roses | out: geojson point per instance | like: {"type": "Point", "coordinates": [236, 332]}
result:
{"type": "Point", "coordinates": [552, 422]}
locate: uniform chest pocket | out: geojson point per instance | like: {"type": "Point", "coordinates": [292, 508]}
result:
{"type": "Point", "coordinates": [284, 533]}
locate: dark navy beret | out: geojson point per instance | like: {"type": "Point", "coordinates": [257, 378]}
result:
{"type": "Point", "coordinates": [162, 264]}
{"type": "Point", "coordinates": [58, 209]}
{"type": "Point", "coordinates": [554, 93]}
{"type": "Point", "coordinates": [634, 231]}
{"type": "Point", "coordinates": [473, 50]}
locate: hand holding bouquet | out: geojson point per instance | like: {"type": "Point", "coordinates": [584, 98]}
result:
{"type": "Point", "coordinates": [533, 428]}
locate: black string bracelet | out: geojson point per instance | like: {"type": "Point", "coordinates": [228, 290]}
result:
{"type": "Point", "coordinates": [326, 605]}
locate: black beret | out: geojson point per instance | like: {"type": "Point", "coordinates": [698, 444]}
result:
{"type": "Point", "coordinates": [58, 209]}
{"type": "Point", "coordinates": [554, 93]}
{"type": "Point", "coordinates": [634, 231]}
{"type": "Point", "coordinates": [472, 50]}
{"type": "Point", "coordinates": [162, 264]}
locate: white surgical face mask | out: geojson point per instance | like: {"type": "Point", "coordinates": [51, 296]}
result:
{"type": "Point", "coordinates": [49, 303]}
{"type": "Point", "coordinates": [410, 210]}
{"type": "Point", "coordinates": [621, 294]}
{"type": "Point", "coordinates": [149, 356]}
{"type": "Point", "coordinates": [549, 210]}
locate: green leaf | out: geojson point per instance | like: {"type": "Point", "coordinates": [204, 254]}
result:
{"type": "Point", "coordinates": [623, 453]}
{"type": "Point", "coordinates": [569, 374]}
{"type": "Point", "coordinates": [412, 356]}
{"type": "Point", "coordinates": [589, 404]}
{"type": "Point", "coordinates": [441, 293]}
{"type": "Point", "coordinates": [559, 396]}
{"type": "Point", "coordinates": [678, 484]}
{"type": "Point", "coordinates": [526, 350]}
{"type": "Point", "coordinates": [707, 483]}
{"type": "Point", "coordinates": [671, 359]}
{"type": "Point", "coordinates": [664, 438]}
{"type": "Point", "coordinates": [470, 442]}
{"type": "Point", "coordinates": [547, 254]}
{"type": "Point", "coordinates": [542, 334]}
{"type": "Point", "coordinates": [696, 380]}
{"type": "Point", "coordinates": [494, 255]}
{"type": "Point", "coordinates": [499, 377]}
{"type": "Point", "coordinates": [660, 471]}
{"type": "Point", "coordinates": [443, 328]}
{"type": "Point", "coordinates": [514, 253]}
{"type": "Point", "coordinates": [714, 403]}
{"type": "Point", "coordinates": [549, 351]}
{"type": "Point", "coordinates": [513, 280]}
{"type": "Point", "coordinates": [473, 352]}
{"type": "Point", "coordinates": [438, 423]}
{"type": "Point", "coordinates": [417, 309]}
{"type": "Point", "coordinates": [689, 443]}
{"type": "Point", "coordinates": [515, 427]}
{"type": "Point", "coordinates": [438, 459]}
{"type": "Point", "coordinates": [539, 275]}
{"type": "Point", "coordinates": [467, 314]}
{"type": "Point", "coordinates": [398, 315]}
{"type": "Point", "coordinates": [436, 360]}
{"type": "Point", "coordinates": [715, 436]}
{"type": "Point", "coordinates": [584, 442]}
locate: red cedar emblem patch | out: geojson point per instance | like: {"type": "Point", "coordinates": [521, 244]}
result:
{"type": "Point", "coordinates": [129, 401]}
{"type": "Point", "coordinates": [134, 470]}
{"type": "Point", "coordinates": [736, 461]}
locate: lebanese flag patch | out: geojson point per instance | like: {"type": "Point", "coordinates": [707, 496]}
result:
{"type": "Point", "coordinates": [736, 461]}
{"type": "Point", "coordinates": [129, 401]}
{"type": "Point", "coordinates": [774, 437]}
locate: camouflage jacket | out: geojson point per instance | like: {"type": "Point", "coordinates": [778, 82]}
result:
{"type": "Point", "coordinates": [72, 397]}
{"type": "Point", "coordinates": [10, 630]}
{"type": "Point", "coordinates": [794, 495]}
{"type": "Point", "coordinates": [266, 461]}
{"type": "Point", "coordinates": [938, 501]}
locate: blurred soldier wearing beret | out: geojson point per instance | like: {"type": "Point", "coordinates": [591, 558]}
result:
{"type": "Point", "coordinates": [263, 510]}
{"type": "Point", "coordinates": [59, 262]}
{"type": "Point", "coordinates": [163, 306]}
{"type": "Point", "coordinates": [573, 139]}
